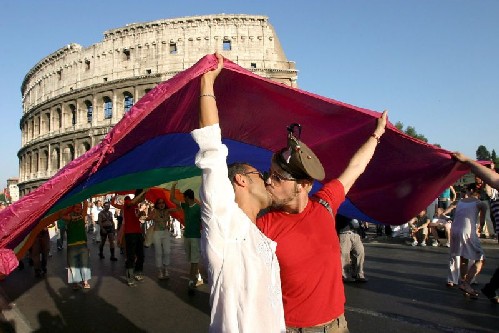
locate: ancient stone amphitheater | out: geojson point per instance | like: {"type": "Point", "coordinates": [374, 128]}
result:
{"type": "Point", "coordinates": [74, 96]}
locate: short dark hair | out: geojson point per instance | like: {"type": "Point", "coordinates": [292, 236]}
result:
{"type": "Point", "coordinates": [189, 194]}
{"type": "Point", "coordinates": [471, 187]}
{"type": "Point", "coordinates": [237, 168]}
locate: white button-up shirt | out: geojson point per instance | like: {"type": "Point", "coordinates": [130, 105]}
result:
{"type": "Point", "coordinates": [244, 273]}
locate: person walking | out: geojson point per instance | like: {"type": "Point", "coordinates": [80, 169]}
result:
{"type": "Point", "coordinates": [107, 231]}
{"type": "Point", "coordinates": [134, 240]}
{"type": "Point", "coordinates": [79, 272]}
{"type": "Point", "coordinates": [192, 232]}
{"type": "Point", "coordinates": [162, 221]}
{"type": "Point", "coordinates": [491, 178]}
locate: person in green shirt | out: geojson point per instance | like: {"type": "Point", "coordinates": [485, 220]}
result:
{"type": "Point", "coordinates": [192, 232]}
{"type": "Point", "coordinates": [77, 251]}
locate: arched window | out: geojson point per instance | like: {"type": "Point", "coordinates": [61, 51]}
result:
{"type": "Point", "coordinates": [73, 114]}
{"type": "Point", "coordinates": [55, 159]}
{"type": "Point", "coordinates": [83, 148]}
{"type": "Point", "coordinates": [59, 117]}
{"type": "Point", "coordinates": [44, 160]}
{"type": "Point", "coordinates": [47, 122]}
{"type": "Point", "coordinates": [108, 108]}
{"type": "Point", "coordinates": [90, 111]}
{"type": "Point", "coordinates": [36, 166]}
{"type": "Point", "coordinates": [128, 101]}
{"type": "Point", "coordinates": [67, 154]}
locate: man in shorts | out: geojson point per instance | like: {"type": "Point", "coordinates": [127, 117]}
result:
{"type": "Point", "coordinates": [192, 232]}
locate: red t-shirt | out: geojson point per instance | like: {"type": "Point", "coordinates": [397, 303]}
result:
{"type": "Point", "coordinates": [132, 222]}
{"type": "Point", "coordinates": [308, 251]}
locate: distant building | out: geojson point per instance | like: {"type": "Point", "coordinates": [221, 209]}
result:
{"type": "Point", "coordinates": [11, 192]}
{"type": "Point", "coordinates": [74, 96]}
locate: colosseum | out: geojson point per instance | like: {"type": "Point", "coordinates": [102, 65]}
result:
{"type": "Point", "coordinates": [74, 96]}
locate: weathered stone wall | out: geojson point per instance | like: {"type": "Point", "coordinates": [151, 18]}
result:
{"type": "Point", "coordinates": [108, 77]}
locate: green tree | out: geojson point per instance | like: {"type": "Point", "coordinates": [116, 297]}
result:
{"type": "Point", "coordinates": [493, 156]}
{"type": "Point", "coordinates": [411, 131]}
{"type": "Point", "coordinates": [482, 154]}
{"type": "Point", "coordinates": [2, 197]}
{"type": "Point", "coordinates": [399, 126]}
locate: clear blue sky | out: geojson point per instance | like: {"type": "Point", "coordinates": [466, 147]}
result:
{"type": "Point", "coordinates": [433, 63]}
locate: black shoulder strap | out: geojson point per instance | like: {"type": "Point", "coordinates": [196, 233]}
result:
{"type": "Point", "coordinates": [326, 205]}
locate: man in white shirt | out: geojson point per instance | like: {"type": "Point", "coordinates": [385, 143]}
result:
{"type": "Point", "coordinates": [243, 270]}
{"type": "Point", "coordinates": [96, 209]}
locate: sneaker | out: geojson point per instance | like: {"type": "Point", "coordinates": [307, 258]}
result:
{"type": "Point", "coordinates": [192, 284]}
{"type": "Point", "coordinates": [165, 273]}
{"type": "Point", "coordinates": [139, 277]}
{"type": "Point", "coordinates": [447, 245]}
{"type": "Point", "coordinates": [415, 243]}
{"type": "Point", "coordinates": [361, 279]}
{"type": "Point", "coordinates": [101, 256]}
{"type": "Point", "coordinates": [114, 259]}
{"type": "Point", "coordinates": [435, 243]}
{"type": "Point", "coordinates": [131, 283]}
{"type": "Point", "coordinates": [348, 279]}
{"type": "Point", "coordinates": [161, 276]}
{"type": "Point", "coordinates": [422, 244]}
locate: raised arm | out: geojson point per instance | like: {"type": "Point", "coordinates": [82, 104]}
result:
{"type": "Point", "coordinates": [138, 198]}
{"type": "Point", "coordinates": [362, 157]}
{"type": "Point", "coordinates": [115, 204]}
{"type": "Point", "coordinates": [172, 195]}
{"type": "Point", "coordinates": [453, 194]}
{"type": "Point", "coordinates": [208, 111]}
{"type": "Point", "coordinates": [487, 175]}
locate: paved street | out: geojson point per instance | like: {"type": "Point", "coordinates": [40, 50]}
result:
{"type": "Point", "coordinates": [406, 292]}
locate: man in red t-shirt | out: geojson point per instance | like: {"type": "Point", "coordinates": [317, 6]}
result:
{"type": "Point", "coordinates": [308, 248]}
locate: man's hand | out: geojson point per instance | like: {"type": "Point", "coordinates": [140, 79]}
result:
{"type": "Point", "coordinates": [212, 75]}
{"type": "Point", "coordinates": [208, 111]}
{"type": "Point", "coordinates": [460, 157]}
{"type": "Point", "coordinates": [381, 124]}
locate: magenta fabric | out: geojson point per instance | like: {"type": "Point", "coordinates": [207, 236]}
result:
{"type": "Point", "coordinates": [8, 262]}
{"type": "Point", "coordinates": [404, 176]}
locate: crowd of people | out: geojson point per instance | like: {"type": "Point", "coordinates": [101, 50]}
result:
{"type": "Point", "coordinates": [121, 223]}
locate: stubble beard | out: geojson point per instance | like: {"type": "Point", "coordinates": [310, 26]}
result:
{"type": "Point", "coordinates": [280, 203]}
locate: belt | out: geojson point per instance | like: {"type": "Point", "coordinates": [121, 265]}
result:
{"type": "Point", "coordinates": [315, 329]}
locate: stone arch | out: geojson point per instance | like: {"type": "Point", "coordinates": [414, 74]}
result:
{"type": "Point", "coordinates": [72, 110]}
{"type": "Point", "coordinates": [44, 160]}
{"type": "Point", "coordinates": [127, 101]}
{"type": "Point", "coordinates": [55, 159]}
{"type": "Point", "coordinates": [83, 147]}
{"type": "Point", "coordinates": [28, 163]}
{"type": "Point", "coordinates": [68, 154]}
{"type": "Point", "coordinates": [36, 165]}
{"type": "Point", "coordinates": [58, 114]}
{"type": "Point", "coordinates": [108, 107]}
{"type": "Point", "coordinates": [90, 111]}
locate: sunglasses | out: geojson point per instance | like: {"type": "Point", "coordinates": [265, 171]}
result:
{"type": "Point", "coordinates": [256, 172]}
{"type": "Point", "coordinates": [277, 177]}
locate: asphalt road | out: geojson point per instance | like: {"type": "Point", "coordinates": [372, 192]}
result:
{"type": "Point", "coordinates": [406, 292]}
